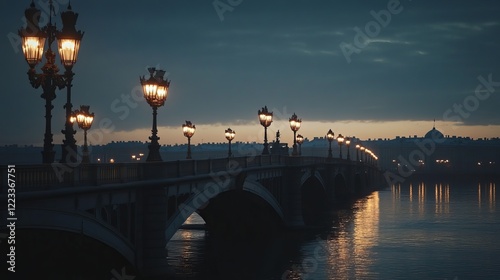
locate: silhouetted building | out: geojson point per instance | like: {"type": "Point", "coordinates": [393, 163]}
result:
{"type": "Point", "coordinates": [437, 153]}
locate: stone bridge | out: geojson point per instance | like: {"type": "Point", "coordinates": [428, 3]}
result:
{"type": "Point", "coordinates": [135, 208]}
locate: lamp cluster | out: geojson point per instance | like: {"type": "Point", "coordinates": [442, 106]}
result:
{"type": "Point", "coordinates": [33, 39]}
{"type": "Point", "coordinates": [230, 134]}
{"type": "Point", "coordinates": [188, 129]}
{"type": "Point", "coordinates": [365, 154]}
{"type": "Point", "coordinates": [155, 90]}
{"type": "Point", "coordinates": [84, 119]}
{"type": "Point", "coordinates": [265, 118]}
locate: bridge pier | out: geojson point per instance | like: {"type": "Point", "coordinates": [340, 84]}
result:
{"type": "Point", "coordinates": [292, 202]}
{"type": "Point", "coordinates": [152, 215]}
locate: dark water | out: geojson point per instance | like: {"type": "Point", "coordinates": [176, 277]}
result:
{"type": "Point", "coordinates": [419, 230]}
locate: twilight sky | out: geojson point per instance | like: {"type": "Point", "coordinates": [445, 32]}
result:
{"type": "Point", "coordinates": [365, 68]}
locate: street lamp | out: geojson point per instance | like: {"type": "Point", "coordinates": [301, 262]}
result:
{"type": "Point", "coordinates": [348, 145]}
{"type": "Point", "coordinates": [84, 120]}
{"type": "Point", "coordinates": [300, 140]}
{"type": "Point", "coordinates": [33, 42]}
{"type": "Point", "coordinates": [362, 150]}
{"type": "Point", "coordinates": [188, 129]}
{"type": "Point", "coordinates": [340, 139]}
{"type": "Point", "coordinates": [265, 118]}
{"type": "Point", "coordinates": [155, 91]}
{"type": "Point", "coordinates": [295, 126]}
{"type": "Point", "coordinates": [230, 136]}
{"type": "Point", "coordinates": [330, 137]}
{"type": "Point", "coordinates": [357, 152]}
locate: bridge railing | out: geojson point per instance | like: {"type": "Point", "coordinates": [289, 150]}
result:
{"type": "Point", "coordinates": [47, 176]}
{"type": "Point", "coordinates": [52, 176]}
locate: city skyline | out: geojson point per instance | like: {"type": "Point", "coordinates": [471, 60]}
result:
{"type": "Point", "coordinates": [226, 63]}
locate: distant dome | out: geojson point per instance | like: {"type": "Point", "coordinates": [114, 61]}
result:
{"type": "Point", "coordinates": [434, 134]}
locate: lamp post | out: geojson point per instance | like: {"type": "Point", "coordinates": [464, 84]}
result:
{"type": "Point", "coordinates": [330, 137]}
{"type": "Point", "coordinates": [357, 152]}
{"type": "Point", "coordinates": [348, 145]}
{"type": "Point", "coordinates": [300, 140]}
{"type": "Point", "coordinates": [155, 91]}
{"type": "Point", "coordinates": [340, 140]}
{"type": "Point", "coordinates": [230, 136]}
{"type": "Point", "coordinates": [265, 118]}
{"type": "Point", "coordinates": [295, 123]}
{"type": "Point", "coordinates": [84, 120]}
{"type": "Point", "coordinates": [33, 42]}
{"type": "Point", "coordinates": [362, 151]}
{"type": "Point", "coordinates": [188, 129]}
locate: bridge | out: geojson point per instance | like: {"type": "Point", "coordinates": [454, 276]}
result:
{"type": "Point", "coordinates": [135, 208]}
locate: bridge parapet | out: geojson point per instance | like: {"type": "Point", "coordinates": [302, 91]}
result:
{"type": "Point", "coordinates": [53, 176]}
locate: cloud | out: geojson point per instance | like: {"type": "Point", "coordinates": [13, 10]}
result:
{"type": "Point", "coordinates": [274, 53]}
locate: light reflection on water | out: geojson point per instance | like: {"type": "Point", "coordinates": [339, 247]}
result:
{"type": "Point", "coordinates": [419, 230]}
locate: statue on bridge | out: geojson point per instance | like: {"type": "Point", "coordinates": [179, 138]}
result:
{"type": "Point", "coordinates": [277, 148]}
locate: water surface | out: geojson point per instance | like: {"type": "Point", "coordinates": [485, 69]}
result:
{"type": "Point", "coordinates": [415, 230]}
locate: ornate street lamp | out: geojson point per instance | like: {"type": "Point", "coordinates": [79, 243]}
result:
{"type": "Point", "coordinates": [330, 137]}
{"type": "Point", "coordinates": [265, 118]}
{"type": "Point", "coordinates": [340, 139]}
{"type": "Point", "coordinates": [230, 136]}
{"type": "Point", "coordinates": [155, 91]}
{"type": "Point", "coordinates": [84, 120]}
{"type": "Point", "coordinates": [33, 42]}
{"type": "Point", "coordinates": [362, 151]}
{"type": "Point", "coordinates": [348, 145]}
{"type": "Point", "coordinates": [357, 152]}
{"type": "Point", "coordinates": [295, 123]}
{"type": "Point", "coordinates": [188, 129]}
{"type": "Point", "coordinates": [300, 140]}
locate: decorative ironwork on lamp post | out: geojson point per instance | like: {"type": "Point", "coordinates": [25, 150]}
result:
{"type": "Point", "coordinates": [295, 123]}
{"type": "Point", "coordinates": [300, 140]}
{"type": "Point", "coordinates": [348, 145]}
{"type": "Point", "coordinates": [229, 133]}
{"type": "Point", "coordinates": [340, 140]}
{"type": "Point", "coordinates": [84, 120]}
{"type": "Point", "coordinates": [33, 43]}
{"type": "Point", "coordinates": [155, 91]}
{"type": "Point", "coordinates": [265, 118]}
{"type": "Point", "coordinates": [330, 137]}
{"type": "Point", "coordinates": [188, 129]}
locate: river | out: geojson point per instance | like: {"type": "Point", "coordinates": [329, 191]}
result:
{"type": "Point", "coordinates": [414, 230]}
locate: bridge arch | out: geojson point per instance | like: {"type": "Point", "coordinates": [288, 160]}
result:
{"type": "Point", "coordinates": [200, 200]}
{"type": "Point", "coordinates": [314, 198]}
{"type": "Point", "coordinates": [80, 223]}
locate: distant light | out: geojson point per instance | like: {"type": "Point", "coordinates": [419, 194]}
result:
{"type": "Point", "coordinates": [112, 161]}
